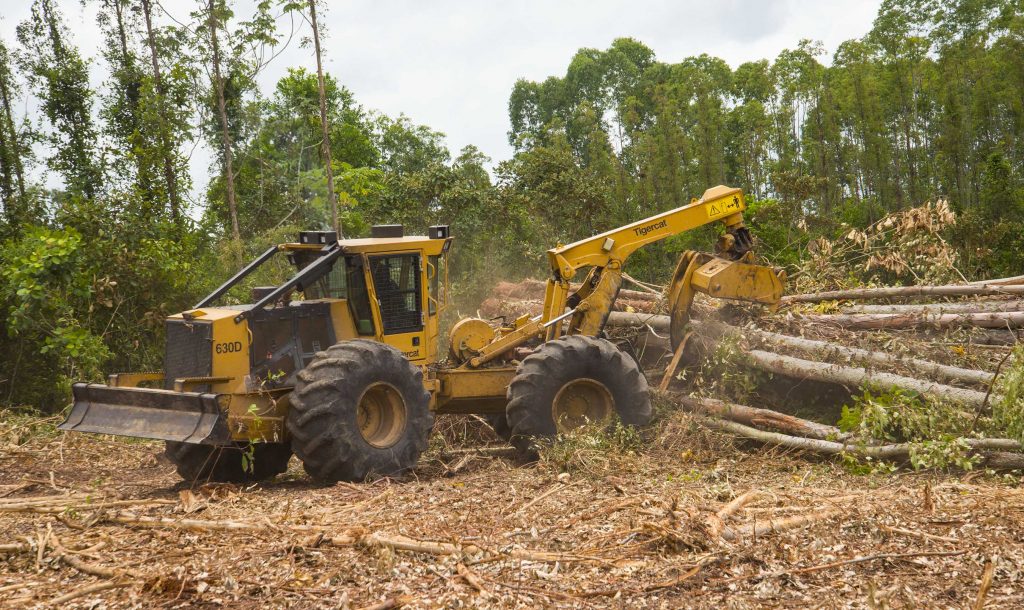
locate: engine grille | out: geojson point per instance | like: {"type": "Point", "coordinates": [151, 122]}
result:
{"type": "Point", "coordinates": [189, 351]}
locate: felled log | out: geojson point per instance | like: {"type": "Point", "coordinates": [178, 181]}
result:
{"type": "Point", "coordinates": [1016, 280]}
{"type": "Point", "coordinates": [827, 350]}
{"type": "Point", "coordinates": [853, 377]}
{"type": "Point", "coordinates": [762, 419]}
{"type": "Point", "coordinates": [993, 451]}
{"type": "Point", "coordinates": [903, 292]}
{"type": "Point", "coordinates": [833, 352]}
{"type": "Point", "coordinates": [657, 322]}
{"type": "Point", "coordinates": [880, 321]}
{"type": "Point", "coordinates": [938, 308]}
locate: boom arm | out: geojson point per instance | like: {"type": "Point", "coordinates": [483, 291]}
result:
{"type": "Point", "coordinates": [612, 248]}
{"type": "Point", "coordinates": [607, 252]}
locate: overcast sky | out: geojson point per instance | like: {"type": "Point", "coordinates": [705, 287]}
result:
{"type": "Point", "coordinates": [451, 64]}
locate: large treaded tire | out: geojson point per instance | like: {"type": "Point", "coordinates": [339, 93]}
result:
{"type": "Point", "coordinates": [223, 464]}
{"type": "Point", "coordinates": [542, 374]}
{"type": "Point", "coordinates": [323, 422]}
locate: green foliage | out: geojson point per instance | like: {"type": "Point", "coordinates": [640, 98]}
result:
{"type": "Point", "coordinates": [899, 415]}
{"type": "Point", "coordinates": [935, 430]}
{"type": "Point", "coordinates": [1008, 409]}
{"type": "Point", "coordinates": [61, 78]}
{"type": "Point", "coordinates": [43, 292]}
{"type": "Point", "coordinates": [591, 449]}
{"type": "Point", "coordinates": [725, 371]}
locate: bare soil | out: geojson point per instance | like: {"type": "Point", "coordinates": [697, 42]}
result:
{"type": "Point", "coordinates": [621, 528]}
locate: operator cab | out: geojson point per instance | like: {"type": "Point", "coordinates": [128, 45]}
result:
{"type": "Point", "coordinates": [389, 287]}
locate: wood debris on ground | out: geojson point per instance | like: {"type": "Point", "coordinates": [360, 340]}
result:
{"type": "Point", "coordinates": [722, 503]}
{"type": "Point", "coordinates": [695, 519]}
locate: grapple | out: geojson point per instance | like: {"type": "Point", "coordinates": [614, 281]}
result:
{"type": "Point", "coordinates": [739, 280]}
{"type": "Point", "coordinates": [188, 417]}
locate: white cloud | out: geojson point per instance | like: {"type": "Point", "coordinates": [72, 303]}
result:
{"type": "Point", "coordinates": [451, 64]}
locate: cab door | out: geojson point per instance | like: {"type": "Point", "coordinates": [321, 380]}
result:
{"type": "Point", "coordinates": [399, 290]}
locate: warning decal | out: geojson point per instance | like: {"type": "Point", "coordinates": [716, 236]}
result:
{"type": "Point", "coordinates": [723, 207]}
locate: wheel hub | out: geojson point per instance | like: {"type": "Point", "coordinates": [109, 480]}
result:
{"type": "Point", "coordinates": [381, 415]}
{"type": "Point", "coordinates": [581, 402]}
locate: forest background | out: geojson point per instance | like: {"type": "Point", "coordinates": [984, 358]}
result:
{"type": "Point", "coordinates": [926, 106]}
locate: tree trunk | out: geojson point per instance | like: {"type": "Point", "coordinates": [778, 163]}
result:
{"type": "Point", "coordinates": [15, 145]}
{"type": "Point", "coordinates": [832, 352]}
{"type": "Point", "coordinates": [229, 170]}
{"type": "Point", "coordinates": [903, 292]}
{"type": "Point", "coordinates": [167, 148]}
{"type": "Point", "coordinates": [1016, 280]}
{"type": "Point", "coordinates": [992, 450]}
{"type": "Point", "coordinates": [656, 322]}
{"type": "Point", "coordinates": [1004, 319]}
{"type": "Point", "coordinates": [938, 308]}
{"type": "Point", "coordinates": [758, 418]}
{"type": "Point", "coordinates": [324, 123]}
{"type": "Point", "coordinates": [857, 376]}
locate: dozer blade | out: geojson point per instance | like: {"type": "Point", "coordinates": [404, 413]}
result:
{"type": "Point", "coordinates": [188, 417]}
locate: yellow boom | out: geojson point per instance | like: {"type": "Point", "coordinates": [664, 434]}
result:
{"type": "Point", "coordinates": [728, 274]}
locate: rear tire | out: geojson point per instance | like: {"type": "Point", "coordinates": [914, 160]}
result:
{"type": "Point", "coordinates": [570, 381]}
{"type": "Point", "coordinates": [223, 463]}
{"type": "Point", "coordinates": [358, 410]}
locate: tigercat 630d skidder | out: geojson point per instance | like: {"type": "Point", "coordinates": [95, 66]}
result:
{"type": "Point", "coordinates": [341, 364]}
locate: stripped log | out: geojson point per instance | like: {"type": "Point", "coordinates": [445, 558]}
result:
{"type": "Point", "coordinates": [656, 322]}
{"type": "Point", "coordinates": [903, 292]}
{"type": "Point", "coordinates": [830, 350]}
{"type": "Point", "coordinates": [833, 352]}
{"type": "Point", "coordinates": [880, 321]}
{"type": "Point", "coordinates": [762, 419]}
{"type": "Point", "coordinates": [858, 376]}
{"type": "Point", "coordinates": [791, 426]}
{"type": "Point", "coordinates": [1016, 280]}
{"type": "Point", "coordinates": [938, 308]}
{"type": "Point", "coordinates": [993, 452]}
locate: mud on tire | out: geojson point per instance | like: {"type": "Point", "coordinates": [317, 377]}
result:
{"type": "Point", "coordinates": [359, 409]}
{"type": "Point", "coordinates": [598, 378]}
{"type": "Point", "coordinates": [223, 463]}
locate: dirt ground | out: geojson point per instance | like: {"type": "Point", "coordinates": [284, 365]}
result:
{"type": "Point", "coordinates": [592, 525]}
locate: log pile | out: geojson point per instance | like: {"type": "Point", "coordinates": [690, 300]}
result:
{"type": "Point", "coordinates": [930, 347]}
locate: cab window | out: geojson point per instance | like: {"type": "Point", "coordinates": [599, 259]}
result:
{"type": "Point", "coordinates": [435, 283]}
{"type": "Point", "coordinates": [332, 285]}
{"type": "Point", "coordinates": [396, 279]}
{"type": "Point", "coordinates": [358, 295]}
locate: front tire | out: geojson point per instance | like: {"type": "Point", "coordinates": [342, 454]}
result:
{"type": "Point", "coordinates": [570, 382]}
{"type": "Point", "coordinates": [359, 410]}
{"type": "Point", "coordinates": [224, 463]}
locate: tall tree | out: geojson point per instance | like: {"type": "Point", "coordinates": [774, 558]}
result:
{"type": "Point", "coordinates": [325, 125]}
{"type": "Point", "coordinates": [61, 78]}
{"type": "Point", "coordinates": [12, 171]}
{"type": "Point", "coordinates": [168, 148]}
{"type": "Point", "coordinates": [215, 18]}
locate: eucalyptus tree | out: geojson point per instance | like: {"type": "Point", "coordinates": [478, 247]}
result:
{"type": "Point", "coordinates": [12, 147]}
{"type": "Point", "coordinates": [59, 76]}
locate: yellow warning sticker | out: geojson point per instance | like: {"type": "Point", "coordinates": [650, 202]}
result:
{"type": "Point", "coordinates": [723, 207]}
